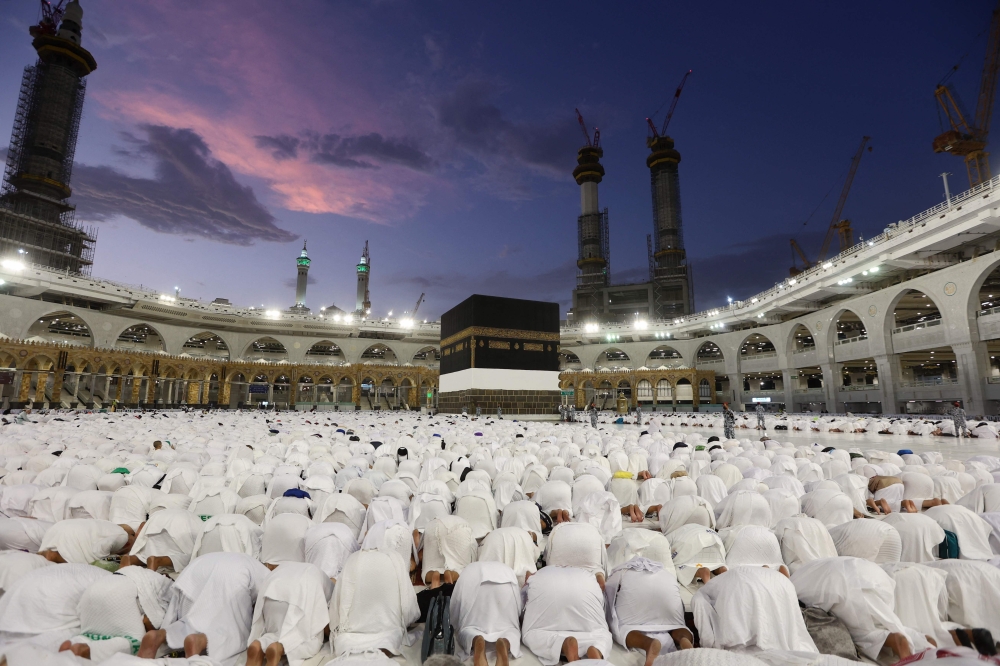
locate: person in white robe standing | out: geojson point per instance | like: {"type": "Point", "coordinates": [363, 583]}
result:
{"type": "Point", "coordinates": [564, 615]}
{"type": "Point", "coordinates": [485, 612]}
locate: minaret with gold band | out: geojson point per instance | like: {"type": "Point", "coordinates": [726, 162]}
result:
{"type": "Point", "coordinates": [592, 225]}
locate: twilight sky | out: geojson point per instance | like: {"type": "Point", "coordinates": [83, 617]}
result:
{"type": "Point", "coordinates": [217, 136]}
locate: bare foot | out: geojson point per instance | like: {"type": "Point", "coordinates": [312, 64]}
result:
{"type": "Point", "coordinates": [274, 653]}
{"type": "Point", "coordinates": [503, 652]}
{"type": "Point", "coordinates": [433, 579]}
{"type": "Point", "coordinates": [131, 561]}
{"type": "Point", "coordinates": [594, 653]}
{"type": "Point", "coordinates": [255, 654]}
{"type": "Point", "coordinates": [683, 638]}
{"type": "Point", "coordinates": [195, 644]}
{"type": "Point", "coordinates": [479, 651]}
{"type": "Point", "coordinates": [571, 649]}
{"type": "Point", "coordinates": [899, 645]}
{"type": "Point", "coordinates": [151, 642]}
{"type": "Point", "coordinates": [450, 577]}
{"type": "Point", "coordinates": [653, 652]}
{"type": "Point", "coordinates": [79, 649]}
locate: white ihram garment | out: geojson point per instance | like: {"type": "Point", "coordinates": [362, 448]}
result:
{"type": "Point", "coordinates": [486, 602]}
{"type": "Point", "coordinates": [291, 609]}
{"type": "Point", "coordinates": [642, 595]}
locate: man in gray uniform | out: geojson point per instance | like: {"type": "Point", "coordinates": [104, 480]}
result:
{"type": "Point", "coordinates": [593, 415]}
{"type": "Point", "coordinates": [760, 417]}
{"type": "Point", "coordinates": [958, 418]}
{"type": "Point", "coordinates": [728, 421]}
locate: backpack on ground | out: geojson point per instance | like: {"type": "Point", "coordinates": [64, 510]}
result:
{"type": "Point", "coordinates": [439, 638]}
{"type": "Point", "coordinates": [948, 549]}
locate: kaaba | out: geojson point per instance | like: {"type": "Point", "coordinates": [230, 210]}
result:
{"type": "Point", "coordinates": [500, 352]}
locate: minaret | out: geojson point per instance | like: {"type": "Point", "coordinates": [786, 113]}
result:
{"type": "Point", "coordinates": [592, 225]}
{"type": "Point", "coordinates": [671, 274]}
{"type": "Point", "coordinates": [364, 304]}
{"type": "Point", "coordinates": [302, 280]}
{"type": "Point", "coordinates": [35, 215]}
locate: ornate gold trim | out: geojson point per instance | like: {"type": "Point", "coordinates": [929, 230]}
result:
{"type": "Point", "coordinates": [512, 333]}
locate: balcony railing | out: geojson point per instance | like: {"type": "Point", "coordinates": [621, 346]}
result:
{"type": "Point", "coordinates": [930, 381]}
{"type": "Point", "coordinates": [916, 327]}
{"type": "Point", "coordinates": [856, 338]}
{"type": "Point", "coordinates": [750, 357]}
{"type": "Point", "coordinates": [860, 387]}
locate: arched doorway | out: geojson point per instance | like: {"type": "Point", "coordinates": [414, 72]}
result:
{"type": "Point", "coordinates": [709, 354]}
{"type": "Point", "coordinates": [915, 310]}
{"type": "Point", "coordinates": [61, 327]}
{"type": "Point", "coordinates": [379, 353]}
{"type": "Point", "coordinates": [325, 352]}
{"type": "Point", "coordinates": [664, 356]}
{"type": "Point", "coordinates": [429, 357]}
{"type": "Point", "coordinates": [140, 337]}
{"type": "Point", "coordinates": [266, 349]}
{"type": "Point", "coordinates": [569, 361]}
{"type": "Point", "coordinates": [802, 340]}
{"type": "Point", "coordinates": [644, 391]}
{"type": "Point", "coordinates": [685, 392]}
{"type": "Point", "coordinates": [613, 359]}
{"type": "Point", "coordinates": [757, 346]}
{"type": "Point", "coordinates": [850, 328]}
{"type": "Point", "coordinates": [206, 343]}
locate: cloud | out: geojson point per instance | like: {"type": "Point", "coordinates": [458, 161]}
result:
{"type": "Point", "coordinates": [282, 147]}
{"type": "Point", "coordinates": [507, 250]}
{"type": "Point", "coordinates": [479, 126]}
{"type": "Point", "coordinates": [191, 194]}
{"type": "Point", "coordinates": [434, 51]}
{"type": "Point", "coordinates": [291, 283]}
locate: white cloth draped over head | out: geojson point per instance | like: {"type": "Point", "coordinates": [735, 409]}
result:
{"type": "Point", "coordinates": [831, 507]}
{"type": "Point", "coordinates": [486, 602]}
{"type": "Point", "coordinates": [448, 545]}
{"type": "Point", "coordinates": [44, 603]}
{"type": "Point", "coordinates": [554, 495]}
{"type": "Point", "coordinates": [642, 595]}
{"type": "Point", "coordinates": [561, 602]}
{"type": "Point", "coordinates": [524, 515]}
{"type": "Point", "coordinates": [371, 608]}
{"type": "Point", "coordinates": [379, 509]}
{"type": "Point", "coordinates": [110, 609]}
{"type": "Point", "coordinates": [972, 531]}
{"type": "Point", "coordinates": [646, 544]}
{"type": "Point", "coordinates": [152, 591]}
{"type": "Point", "coordinates": [512, 546]}
{"type": "Point", "coordinates": [14, 564]}
{"type": "Point", "coordinates": [921, 599]}
{"type": "Point", "coordinates": [743, 508]}
{"type": "Point", "coordinates": [684, 510]}
{"type": "Point", "coordinates": [603, 511]}
{"type": "Point", "coordinates": [284, 539]}
{"type": "Point", "coordinates": [803, 539]}
{"type": "Point", "coordinates": [342, 508]}
{"type": "Point", "coordinates": [751, 545]}
{"type": "Point", "coordinates": [750, 608]}
{"type": "Point", "coordinates": [291, 609]}
{"type": "Point", "coordinates": [577, 545]}
{"type": "Point", "coordinates": [328, 545]}
{"type": "Point", "coordinates": [872, 540]}
{"type": "Point", "coordinates": [982, 499]}
{"type": "Point", "coordinates": [22, 534]}
{"type": "Point", "coordinates": [861, 595]}
{"type": "Point", "coordinates": [169, 533]}
{"type": "Point", "coordinates": [84, 540]}
{"type": "Point", "coordinates": [973, 593]}
{"type": "Point", "coordinates": [229, 533]}
{"type": "Point", "coordinates": [919, 536]}
{"type": "Point", "coordinates": [694, 547]}
{"type": "Point", "coordinates": [214, 596]}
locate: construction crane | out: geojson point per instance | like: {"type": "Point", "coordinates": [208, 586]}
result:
{"type": "Point", "coordinates": [596, 142]}
{"type": "Point", "coordinates": [417, 306]}
{"type": "Point", "coordinates": [51, 17]}
{"type": "Point", "coordinates": [670, 112]}
{"type": "Point", "coordinates": [963, 139]}
{"type": "Point", "coordinates": [840, 228]}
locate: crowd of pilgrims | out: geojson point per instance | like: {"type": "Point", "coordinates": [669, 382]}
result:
{"type": "Point", "coordinates": [225, 538]}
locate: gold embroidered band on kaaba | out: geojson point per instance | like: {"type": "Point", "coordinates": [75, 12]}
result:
{"type": "Point", "coordinates": [513, 333]}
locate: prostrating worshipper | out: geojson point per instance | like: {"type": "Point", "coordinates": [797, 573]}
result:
{"type": "Point", "coordinates": [698, 555]}
{"type": "Point", "coordinates": [644, 608]}
{"type": "Point", "coordinates": [973, 532]}
{"type": "Point", "coordinates": [556, 500]}
{"type": "Point", "coordinates": [512, 546]}
{"type": "Point", "coordinates": [284, 539]}
{"type": "Point", "coordinates": [873, 540]}
{"type": "Point", "coordinates": [683, 510]}
{"type": "Point", "coordinates": [210, 608]}
{"type": "Point", "coordinates": [485, 612]}
{"type": "Point", "coordinates": [578, 545]}
{"type": "Point", "coordinates": [166, 541]}
{"type": "Point", "coordinates": [23, 534]}
{"type": "Point", "coordinates": [973, 593]}
{"type": "Point", "coordinates": [448, 547]}
{"type": "Point", "coordinates": [85, 540]}
{"type": "Point", "coordinates": [373, 605]}
{"type": "Point", "coordinates": [528, 516]}
{"type": "Point", "coordinates": [750, 609]}
{"type": "Point", "coordinates": [117, 611]}
{"type": "Point", "coordinates": [860, 594]}
{"type": "Point", "coordinates": [43, 604]}
{"type": "Point", "coordinates": [752, 545]}
{"type": "Point", "coordinates": [919, 536]}
{"type": "Point", "coordinates": [229, 533]}
{"type": "Point", "coordinates": [564, 616]}
{"type": "Point", "coordinates": [15, 564]}
{"type": "Point", "coordinates": [803, 539]}
{"type": "Point", "coordinates": [290, 616]}
{"type": "Point", "coordinates": [328, 545]}
{"type": "Point", "coordinates": [922, 603]}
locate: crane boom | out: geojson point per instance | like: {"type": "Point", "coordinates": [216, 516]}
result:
{"type": "Point", "coordinates": [417, 306]}
{"type": "Point", "coordinates": [832, 230]}
{"type": "Point", "coordinates": [583, 126]}
{"type": "Point", "coordinates": [988, 83]}
{"type": "Point", "coordinates": [673, 103]}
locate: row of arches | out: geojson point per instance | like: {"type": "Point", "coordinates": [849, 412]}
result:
{"type": "Point", "coordinates": [68, 328]}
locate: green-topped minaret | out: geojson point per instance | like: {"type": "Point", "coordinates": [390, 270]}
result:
{"type": "Point", "coordinates": [302, 264]}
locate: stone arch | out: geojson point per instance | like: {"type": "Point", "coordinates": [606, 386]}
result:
{"type": "Point", "coordinates": [664, 390]}
{"type": "Point", "coordinates": [429, 356]}
{"type": "Point", "coordinates": [756, 345]}
{"type": "Point", "coordinates": [709, 352]}
{"type": "Point", "coordinates": [800, 339]}
{"type": "Point", "coordinates": [265, 348]}
{"type": "Point", "coordinates": [912, 307]}
{"type": "Point", "coordinates": [612, 357]}
{"type": "Point", "coordinates": [569, 360]}
{"type": "Point", "coordinates": [326, 352]}
{"type": "Point", "coordinates": [62, 326]}
{"type": "Point", "coordinates": [140, 337]}
{"type": "Point", "coordinates": [206, 344]}
{"type": "Point", "coordinates": [684, 391]}
{"type": "Point", "coordinates": [846, 324]}
{"type": "Point", "coordinates": [704, 390]}
{"type": "Point", "coordinates": [644, 390]}
{"type": "Point", "coordinates": [664, 356]}
{"type": "Point", "coordinates": [380, 353]}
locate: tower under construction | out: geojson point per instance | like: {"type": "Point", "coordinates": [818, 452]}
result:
{"type": "Point", "coordinates": [35, 215]}
{"type": "Point", "coordinates": [671, 274]}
